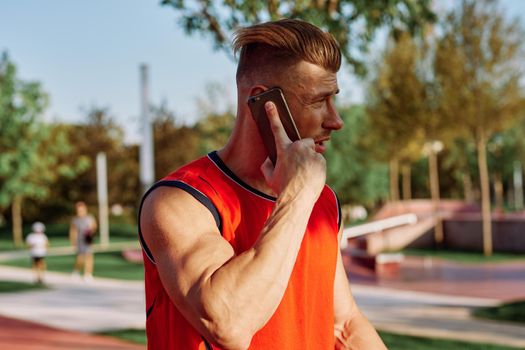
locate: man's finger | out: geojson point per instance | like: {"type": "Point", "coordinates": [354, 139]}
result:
{"type": "Point", "coordinates": [279, 134]}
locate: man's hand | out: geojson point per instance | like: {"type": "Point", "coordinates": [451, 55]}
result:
{"type": "Point", "coordinates": [298, 166]}
{"type": "Point", "coordinates": [342, 337]}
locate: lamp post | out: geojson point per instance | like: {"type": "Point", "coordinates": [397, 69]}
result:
{"type": "Point", "coordinates": [431, 149]}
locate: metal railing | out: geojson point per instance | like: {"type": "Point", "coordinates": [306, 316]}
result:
{"type": "Point", "coordinates": [376, 226]}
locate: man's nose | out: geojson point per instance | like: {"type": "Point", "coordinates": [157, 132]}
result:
{"type": "Point", "coordinates": [333, 120]}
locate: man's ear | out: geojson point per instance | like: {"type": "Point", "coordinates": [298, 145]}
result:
{"type": "Point", "coordinates": [257, 89]}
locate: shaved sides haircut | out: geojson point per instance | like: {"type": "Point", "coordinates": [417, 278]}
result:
{"type": "Point", "coordinates": [268, 49]}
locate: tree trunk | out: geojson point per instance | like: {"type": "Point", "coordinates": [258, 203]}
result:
{"type": "Point", "coordinates": [394, 180]}
{"type": "Point", "coordinates": [16, 212]}
{"type": "Point", "coordinates": [485, 193]}
{"type": "Point", "coordinates": [407, 190]}
{"type": "Point", "coordinates": [518, 186]}
{"type": "Point", "coordinates": [467, 187]}
{"type": "Point", "coordinates": [498, 192]}
{"type": "Point", "coordinates": [434, 193]}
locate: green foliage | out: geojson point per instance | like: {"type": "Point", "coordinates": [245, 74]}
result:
{"type": "Point", "coordinates": [78, 181]}
{"type": "Point", "coordinates": [174, 144]}
{"type": "Point", "coordinates": [512, 312]}
{"type": "Point", "coordinates": [177, 144]}
{"type": "Point", "coordinates": [355, 176]}
{"type": "Point", "coordinates": [403, 342]}
{"type": "Point", "coordinates": [397, 104]}
{"type": "Point", "coordinates": [476, 68]}
{"type": "Point", "coordinates": [24, 166]}
{"type": "Point", "coordinates": [352, 22]}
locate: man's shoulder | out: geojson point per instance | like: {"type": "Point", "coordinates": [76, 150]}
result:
{"type": "Point", "coordinates": [197, 166]}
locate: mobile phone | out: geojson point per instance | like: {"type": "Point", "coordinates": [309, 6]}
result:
{"type": "Point", "coordinates": [256, 104]}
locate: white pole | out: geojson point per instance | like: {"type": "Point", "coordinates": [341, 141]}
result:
{"type": "Point", "coordinates": [518, 186]}
{"type": "Point", "coordinates": [147, 170]}
{"type": "Point", "coordinates": [102, 191]}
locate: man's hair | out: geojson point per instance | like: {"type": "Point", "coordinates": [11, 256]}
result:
{"type": "Point", "coordinates": [272, 47]}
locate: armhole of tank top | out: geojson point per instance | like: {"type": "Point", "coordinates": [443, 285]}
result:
{"type": "Point", "coordinates": [198, 195]}
{"type": "Point", "coordinates": [339, 216]}
{"type": "Point", "coordinates": [206, 344]}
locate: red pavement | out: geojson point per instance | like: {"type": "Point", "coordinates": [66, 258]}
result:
{"type": "Point", "coordinates": [23, 335]}
{"type": "Point", "coordinates": [502, 281]}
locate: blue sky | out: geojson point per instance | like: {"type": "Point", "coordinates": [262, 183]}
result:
{"type": "Point", "coordinates": [88, 53]}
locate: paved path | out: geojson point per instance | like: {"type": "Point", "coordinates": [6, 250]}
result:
{"type": "Point", "coordinates": [110, 304]}
{"type": "Point", "coordinates": [102, 304]}
{"type": "Point", "coordinates": [434, 315]}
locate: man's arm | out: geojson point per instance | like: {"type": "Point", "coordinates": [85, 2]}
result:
{"type": "Point", "coordinates": [352, 330]}
{"type": "Point", "coordinates": [229, 297]}
{"type": "Point", "coordinates": [73, 234]}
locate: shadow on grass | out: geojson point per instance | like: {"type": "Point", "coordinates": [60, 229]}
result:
{"type": "Point", "coordinates": [511, 312]}
{"type": "Point", "coordinates": [15, 287]}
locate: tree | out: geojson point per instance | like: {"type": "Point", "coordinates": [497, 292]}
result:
{"type": "Point", "coordinates": [476, 68]}
{"type": "Point", "coordinates": [395, 104]}
{"type": "Point", "coordinates": [353, 174]}
{"type": "Point", "coordinates": [352, 22]}
{"type": "Point", "coordinates": [175, 145]}
{"type": "Point", "coordinates": [99, 133]}
{"type": "Point", "coordinates": [29, 158]}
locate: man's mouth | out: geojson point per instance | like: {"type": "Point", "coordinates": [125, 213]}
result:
{"type": "Point", "coordinates": [320, 145]}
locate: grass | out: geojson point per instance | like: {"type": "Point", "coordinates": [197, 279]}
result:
{"type": "Point", "coordinates": [512, 312]}
{"type": "Point", "coordinates": [392, 341]}
{"type": "Point", "coordinates": [132, 335]}
{"type": "Point", "coordinates": [12, 286]}
{"type": "Point", "coordinates": [463, 256]}
{"type": "Point", "coordinates": [403, 342]}
{"type": "Point", "coordinates": [108, 265]}
{"type": "Point", "coordinates": [58, 235]}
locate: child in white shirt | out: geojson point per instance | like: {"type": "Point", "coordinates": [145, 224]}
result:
{"type": "Point", "coordinates": [38, 243]}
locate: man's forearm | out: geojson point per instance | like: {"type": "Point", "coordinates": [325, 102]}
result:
{"type": "Point", "coordinates": [251, 285]}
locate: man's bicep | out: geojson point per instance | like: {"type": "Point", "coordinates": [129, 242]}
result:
{"type": "Point", "coordinates": [184, 241]}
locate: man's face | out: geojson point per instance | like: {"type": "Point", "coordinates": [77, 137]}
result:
{"type": "Point", "coordinates": [310, 91]}
{"type": "Point", "coordinates": [81, 209]}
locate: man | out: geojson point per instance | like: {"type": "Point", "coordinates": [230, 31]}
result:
{"type": "Point", "coordinates": [240, 253]}
{"type": "Point", "coordinates": [81, 232]}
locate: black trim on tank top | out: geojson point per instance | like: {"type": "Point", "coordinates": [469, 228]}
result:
{"type": "Point", "coordinates": [199, 196]}
{"type": "Point", "coordinates": [206, 344]}
{"type": "Point", "coordinates": [339, 213]}
{"type": "Point", "coordinates": [150, 309]}
{"type": "Point", "coordinates": [224, 168]}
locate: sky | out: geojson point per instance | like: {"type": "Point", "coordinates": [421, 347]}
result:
{"type": "Point", "coordinates": [88, 53]}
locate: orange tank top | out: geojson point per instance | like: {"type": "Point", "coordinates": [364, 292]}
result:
{"type": "Point", "coordinates": [305, 317]}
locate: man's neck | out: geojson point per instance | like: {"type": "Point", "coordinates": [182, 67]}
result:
{"type": "Point", "coordinates": [244, 155]}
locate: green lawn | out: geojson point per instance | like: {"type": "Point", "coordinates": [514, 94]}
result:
{"type": "Point", "coordinates": [404, 342]}
{"type": "Point", "coordinates": [109, 265]}
{"type": "Point", "coordinates": [512, 312]}
{"type": "Point", "coordinates": [133, 335]}
{"type": "Point", "coordinates": [58, 235]}
{"type": "Point", "coordinates": [463, 256]}
{"type": "Point", "coordinates": [393, 341]}
{"type": "Point", "coordinates": [12, 286]}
